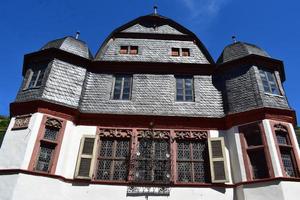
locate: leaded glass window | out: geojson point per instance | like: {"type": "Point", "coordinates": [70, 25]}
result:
{"type": "Point", "coordinates": [288, 163]}
{"type": "Point", "coordinates": [113, 160]}
{"type": "Point", "coordinates": [153, 161]}
{"type": "Point", "coordinates": [44, 159]}
{"type": "Point", "coordinates": [51, 133]}
{"type": "Point", "coordinates": [184, 89]}
{"type": "Point", "coordinates": [122, 87]}
{"type": "Point", "coordinates": [192, 161]}
{"type": "Point", "coordinates": [286, 150]}
{"type": "Point", "coordinates": [48, 142]}
{"type": "Point", "coordinates": [269, 82]}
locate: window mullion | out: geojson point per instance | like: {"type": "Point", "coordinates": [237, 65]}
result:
{"type": "Point", "coordinates": [122, 88]}
{"type": "Point", "coordinates": [37, 78]}
{"type": "Point", "coordinates": [183, 87]}
{"type": "Point", "coordinates": [192, 162]}
{"type": "Point", "coordinates": [113, 160]}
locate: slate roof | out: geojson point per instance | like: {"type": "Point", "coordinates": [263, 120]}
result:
{"type": "Point", "coordinates": [71, 45]}
{"type": "Point", "coordinates": [240, 49]}
{"type": "Point", "coordinates": [146, 27]}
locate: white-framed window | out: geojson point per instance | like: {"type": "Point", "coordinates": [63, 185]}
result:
{"type": "Point", "coordinates": [184, 88]}
{"type": "Point", "coordinates": [269, 81]}
{"type": "Point", "coordinates": [122, 87]}
{"type": "Point", "coordinates": [132, 50]}
{"type": "Point", "coordinates": [35, 79]}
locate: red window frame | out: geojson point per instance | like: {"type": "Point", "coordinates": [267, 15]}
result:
{"type": "Point", "coordinates": [290, 146]}
{"type": "Point", "coordinates": [41, 141]}
{"type": "Point", "coordinates": [261, 148]}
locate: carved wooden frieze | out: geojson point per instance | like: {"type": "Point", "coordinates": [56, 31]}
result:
{"type": "Point", "coordinates": [280, 127]}
{"type": "Point", "coordinates": [21, 122]}
{"type": "Point", "coordinates": [118, 133]}
{"type": "Point", "coordinates": [52, 122]}
{"type": "Point", "coordinates": [157, 134]}
{"type": "Point", "coordinates": [197, 135]}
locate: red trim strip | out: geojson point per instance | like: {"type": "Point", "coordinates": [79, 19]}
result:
{"type": "Point", "coordinates": [206, 185]}
{"type": "Point", "coordinates": [114, 120]}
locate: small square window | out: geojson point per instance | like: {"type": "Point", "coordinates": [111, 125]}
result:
{"type": "Point", "coordinates": [185, 52]}
{"type": "Point", "coordinates": [124, 50]}
{"type": "Point", "coordinates": [175, 52]}
{"type": "Point", "coordinates": [134, 50]}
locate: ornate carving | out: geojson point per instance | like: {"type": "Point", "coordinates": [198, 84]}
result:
{"type": "Point", "coordinates": [280, 127]}
{"type": "Point", "coordinates": [148, 191]}
{"type": "Point", "coordinates": [21, 122]}
{"type": "Point", "coordinates": [52, 122]}
{"type": "Point", "coordinates": [157, 134]}
{"type": "Point", "coordinates": [197, 135]}
{"type": "Point", "coordinates": [118, 133]}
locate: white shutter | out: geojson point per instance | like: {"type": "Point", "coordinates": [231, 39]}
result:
{"type": "Point", "coordinates": [217, 159]}
{"type": "Point", "coordinates": [86, 157]}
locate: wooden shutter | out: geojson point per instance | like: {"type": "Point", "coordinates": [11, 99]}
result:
{"type": "Point", "coordinates": [217, 159]}
{"type": "Point", "coordinates": [85, 161]}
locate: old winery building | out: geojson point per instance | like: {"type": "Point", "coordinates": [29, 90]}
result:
{"type": "Point", "coordinates": [151, 115]}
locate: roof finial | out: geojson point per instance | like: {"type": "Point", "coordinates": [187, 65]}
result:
{"type": "Point", "coordinates": [233, 39]}
{"type": "Point", "coordinates": [77, 35]}
{"type": "Point", "coordinates": [155, 9]}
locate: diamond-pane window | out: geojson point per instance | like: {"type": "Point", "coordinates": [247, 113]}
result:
{"type": "Point", "coordinates": [286, 150]}
{"type": "Point", "coordinates": [153, 161]}
{"type": "Point", "coordinates": [113, 160]}
{"type": "Point", "coordinates": [44, 159]}
{"type": "Point", "coordinates": [51, 133]}
{"type": "Point", "coordinates": [192, 159]}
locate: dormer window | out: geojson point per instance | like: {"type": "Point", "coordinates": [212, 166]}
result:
{"type": "Point", "coordinates": [184, 52]}
{"type": "Point", "coordinates": [132, 50]}
{"type": "Point", "coordinates": [124, 50]}
{"type": "Point", "coordinates": [36, 78]}
{"type": "Point", "coordinates": [175, 52]}
{"type": "Point", "coordinates": [269, 82]}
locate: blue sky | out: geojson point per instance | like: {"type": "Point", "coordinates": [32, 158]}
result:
{"type": "Point", "coordinates": [27, 25]}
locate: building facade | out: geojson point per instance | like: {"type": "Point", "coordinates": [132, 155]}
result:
{"type": "Point", "coordinates": [152, 115]}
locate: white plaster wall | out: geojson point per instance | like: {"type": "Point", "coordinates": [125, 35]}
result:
{"type": "Point", "coordinates": [17, 145]}
{"type": "Point", "coordinates": [264, 191]}
{"type": "Point", "coordinates": [272, 148]}
{"type": "Point", "coordinates": [236, 155]}
{"type": "Point", "coordinates": [70, 147]}
{"type": "Point", "coordinates": [37, 188]}
{"type": "Point", "coordinates": [7, 186]}
{"type": "Point", "coordinates": [290, 190]}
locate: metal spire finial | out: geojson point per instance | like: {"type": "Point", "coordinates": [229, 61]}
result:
{"type": "Point", "coordinates": [155, 9]}
{"type": "Point", "coordinates": [77, 35]}
{"type": "Point", "coordinates": [234, 39]}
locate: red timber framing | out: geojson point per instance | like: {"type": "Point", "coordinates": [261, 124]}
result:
{"type": "Point", "coordinates": [42, 140]}
{"type": "Point", "coordinates": [252, 146]}
{"type": "Point", "coordinates": [291, 146]}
